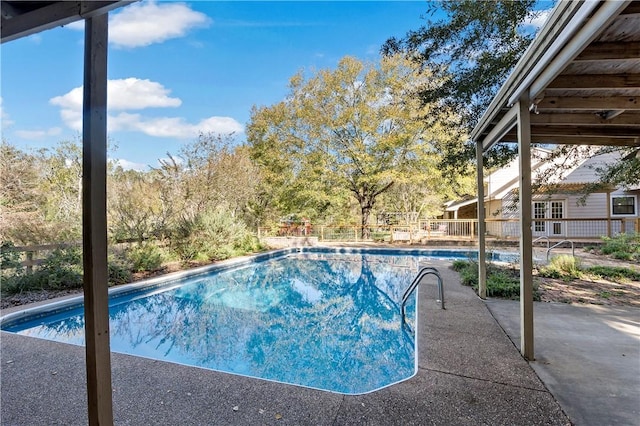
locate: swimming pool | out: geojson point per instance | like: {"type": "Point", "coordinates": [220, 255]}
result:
{"type": "Point", "coordinates": [321, 318]}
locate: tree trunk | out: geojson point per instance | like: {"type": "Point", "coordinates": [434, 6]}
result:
{"type": "Point", "coordinates": [365, 209]}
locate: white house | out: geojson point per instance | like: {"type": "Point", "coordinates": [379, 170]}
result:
{"type": "Point", "coordinates": [563, 209]}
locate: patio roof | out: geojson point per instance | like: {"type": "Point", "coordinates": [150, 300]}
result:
{"type": "Point", "coordinates": [581, 76]}
{"type": "Point", "coordinates": [24, 18]}
{"type": "Point", "coordinates": [578, 83]}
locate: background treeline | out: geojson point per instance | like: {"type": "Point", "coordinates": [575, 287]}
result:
{"type": "Point", "coordinates": [343, 145]}
{"type": "Point", "coordinates": [195, 207]}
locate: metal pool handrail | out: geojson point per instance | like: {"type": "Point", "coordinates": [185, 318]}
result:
{"type": "Point", "coordinates": [573, 250]}
{"type": "Point", "coordinates": [427, 270]}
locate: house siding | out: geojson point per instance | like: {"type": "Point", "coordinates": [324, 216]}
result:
{"type": "Point", "coordinates": [587, 219]}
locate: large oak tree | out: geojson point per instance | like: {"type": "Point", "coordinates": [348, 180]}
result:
{"type": "Point", "coordinates": [357, 128]}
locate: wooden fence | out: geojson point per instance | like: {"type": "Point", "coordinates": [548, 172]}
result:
{"type": "Point", "coordinates": [34, 255]}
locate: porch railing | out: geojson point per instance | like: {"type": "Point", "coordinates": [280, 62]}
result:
{"type": "Point", "coordinates": [461, 230]}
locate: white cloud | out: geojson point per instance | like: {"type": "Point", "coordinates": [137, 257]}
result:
{"type": "Point", "coordinates": [124, 94]}
{"type": "Point", "coordinates": [134, 94]}
{"type": "Point", "coordinates": [173, 127]}
{"type": "Point", "coordinates": [4, 117]}
{"type": "Point", "coordinates": [130, 165]}
{"type": "Point", "coordinates": [38, 134]}
{"type": "Point", "coordinates": [145, 23]}
{"type": "Point", "coordinates": [76, 25]}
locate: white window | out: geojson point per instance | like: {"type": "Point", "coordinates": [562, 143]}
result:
{"type": "Point", "coordinates": [624, 205]}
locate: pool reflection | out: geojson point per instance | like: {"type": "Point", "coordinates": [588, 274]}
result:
{"type": "Point", "coordinates": [328, 321]}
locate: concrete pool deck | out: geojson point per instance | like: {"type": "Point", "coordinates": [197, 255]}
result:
{"type": "Point", "coordinates": [469, 373]}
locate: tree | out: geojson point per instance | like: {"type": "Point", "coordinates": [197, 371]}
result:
{"type": "Point", "coordinates": [135, 205]}
{"type": "Point", "coordinates": [20, 197]}
{"type": "Point", "coordinates": [217, 173]}
{"type": "Point", "coordinates": [471, 49]}
{"type": "Point", "coordinates": [353, 130]}
{"type": "Point", "coordinates": [62, 182]}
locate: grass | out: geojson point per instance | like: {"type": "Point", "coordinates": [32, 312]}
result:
{"type": "Point", "coordinates": [618, 274]}
{"type": "Point", "coordinates": [622, 247]}
{"type": "Point", "coordinates": [502, 281]}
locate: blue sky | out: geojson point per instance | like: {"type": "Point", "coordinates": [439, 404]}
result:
{"type": "Point", "coordinates": [178, 68]}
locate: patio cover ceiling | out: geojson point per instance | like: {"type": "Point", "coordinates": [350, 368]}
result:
{"type": "Point", "coordinates": [23, 18]}
{"type": "Point", "coordinates": [581, 76]}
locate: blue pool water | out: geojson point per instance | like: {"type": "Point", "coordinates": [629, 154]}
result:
{"type": "Point", "coordinates": [317, 318]}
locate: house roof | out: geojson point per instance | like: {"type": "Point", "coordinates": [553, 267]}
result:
{"type": "Point", "coordinates": [582, 77]}
{"type": "Point", "coordinates": [452, 206]}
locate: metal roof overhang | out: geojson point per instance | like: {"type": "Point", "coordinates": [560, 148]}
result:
{"type": "Point", "coordinates": [581, 76]}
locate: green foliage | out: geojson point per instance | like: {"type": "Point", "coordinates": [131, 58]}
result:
{"type": "Point", "coordinates": [622, 246]}
{"type": "Point", "coordinates": [380, 237]}
{"type": "Point", "coordinates": [613, 273]}
{"type": "Point", "coordinates": [119, 273]}
{"type": "Point", "coordinates": [470, 29]}
{"type": "Point", "coordinates": [212, 235]}
{"type": "Point", "coordinates": [505, 283]}
{"type": "Point", "coordinates": [490, 32]}
{"type": "Point", "coordinates": [502, 281]}
{"type": "Point", "coordinates": [563, 267]}
{"type": "Point", "coordinates": [354, 131]}
{"type": "Point", "coordinates": [62, 269]}
{"type": "Point", "coordinates": [145, 257]}
{"type": "Point", "coordinates": [9, 259]}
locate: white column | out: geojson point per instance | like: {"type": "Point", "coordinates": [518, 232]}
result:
{"type": "Point", "coordinates": [526, 246]}
{"type": "Point", "coordinates": [94, 221]}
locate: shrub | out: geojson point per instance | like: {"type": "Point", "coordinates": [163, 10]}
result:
{"type": "Point", "coordinates": [563, 267]}
{"type": "Point", "coordinates": [9, 259]}
{"type": "Point", "coordinates": [503, 284]}
{"type": "Point", "coordinates": [62, 269]}
{"type": "Point", "coordinates": [502, 281]}
{"type": "Point", "coordinates": [119, 273]}
{"type": "Point", "coordinates": [614, 273]}
{"type": "Point", "coordinates": [622, 246]}
{"type": "Point", "coordinates": [212, 235]}
{"type": "Point", "coordinates": [145, 257]}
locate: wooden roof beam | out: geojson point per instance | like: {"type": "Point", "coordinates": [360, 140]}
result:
{"type": "Point", "coordinates": [629, 119]}
{"type": "Point", "coordinates": [50, 15]}
{"type": "Point", "coordinates": [591, 103]}
{"type": "Point", "coordinates": [632, 9]}
{"type": "Point", "coordinates": [587, 131]}
{"type": "Point", "coordinates": [577, 140]}
{"type": "Point", "coordinates": [596, 82]}
{"type": "Point", "coordinates": [609, 51]}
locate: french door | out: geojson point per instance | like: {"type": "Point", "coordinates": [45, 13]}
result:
{"type": "Point", "coordinates": [548, 210]}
